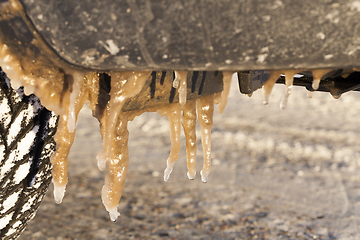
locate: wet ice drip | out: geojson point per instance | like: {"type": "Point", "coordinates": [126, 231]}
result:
{"type": "Point", "coordinates": [173, 113]}
{"type": "Point", "coordinates": [269, 84]}
{"type": "Point", "coordinates": [59, 90]}
{"type": "Point", "coordinates": [205, 110]}
{"type": "Point", "coordinates": [65, 90]}
{"type": "Point", "coordinates": [317, 75]}
{"type": "Point", "coordinates": [113, 127]}
{"type": "Point", "coordinates": [115, 135]}
{"type": "Point", "coordinates": [289, 79]}
{"type": "Point", "coordinates": [65, 135]}
{"type": "Point", "coordinates": [124, 85]}
{"type": "Point", "coordinates": [36, 76]}
{"type": "Point", "coordinates": [188, 122]}
{"type": "Point", "coordinates": [74, 97]}
{"type": "Point", "coordinates": [227, 76]}
{"type": "Point", "coordinates": [180, 83]}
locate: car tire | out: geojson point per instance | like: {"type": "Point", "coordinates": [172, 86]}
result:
{"type": "Point", "coordinates": [26, 145]}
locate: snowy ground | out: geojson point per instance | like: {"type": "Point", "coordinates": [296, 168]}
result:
{"type": "Point", "coordinates": [276, 174]}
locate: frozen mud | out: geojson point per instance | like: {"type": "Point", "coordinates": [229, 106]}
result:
{"type": "Point", "coordinates": [276, 174]}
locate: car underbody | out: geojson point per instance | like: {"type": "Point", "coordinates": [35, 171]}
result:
{"type": "Point", "coordinates": [126, 57]}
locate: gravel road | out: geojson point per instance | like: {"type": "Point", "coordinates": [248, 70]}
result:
{"type": "Point", "coordinates": [276, 174]}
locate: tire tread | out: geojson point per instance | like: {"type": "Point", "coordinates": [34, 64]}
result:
{"type": "Point", "coordinates": [35, 122]}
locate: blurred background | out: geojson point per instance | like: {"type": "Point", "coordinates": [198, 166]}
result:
{"type": "Point", "coordinates": [276, 174]}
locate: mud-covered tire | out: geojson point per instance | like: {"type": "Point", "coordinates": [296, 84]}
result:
{"type": "Point", "coordinates": [26, 144]}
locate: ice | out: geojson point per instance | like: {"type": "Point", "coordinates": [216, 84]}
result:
{"type": "Point", "coordinates": [5, 220]}
{"type": "Point", "coordinates": [182, 89]}
{"type": "Point", "coordinates": [269, 84]}
{"type": "Point", "coordinates": [317, 75]}
{"type": "Point", "coordinates": [10, 202]}
{"type": "Point", "coordinates": [124, 85]}
{"type": "Point", "coordinates": [109, 203]}
{"type": "Point", "coordinates": [227, 76]}
{"type": "Point", "coordinates": [114, 131]}
{"type": "Point", "coordinates": [188, 121]}
{"type": "Point", "coordinates": [266, 99]}
{"type": "Point", "coordinates": [176, 81]}
{"type": "Point", "coordinates": [173, 113]}
{"type": "Point", "coordinates": [28, 90]}
{"type": "Point", "coordinates": [205, 110]}
{"type": "Point", "coordinates": [191, 176]}
{"type": "Point", "coordinates": [64, 88]}
{"type": "Point", "coordinates": [310, 94]}
{"type": "Point", "coordinates": [113, 213]}
{"type": "Point", "coordinates": [289, 80]}
{"type": "Point", "coordinates": [101, 161]}
{"type": "Point", "coordinates": [336, 96]}
{"type": "Point", "coordinates": [285, 98]}
{"type": "Point", "coordinates": [76, 90]}
{"type": "Point", "coordinates": [168, 170]}
{"type": "Point", "coordinates": [315, 84]}
{"type": "Point", "coordinates": [204, 176]}
{"type": "Point", "coordinates": [59, 192]}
